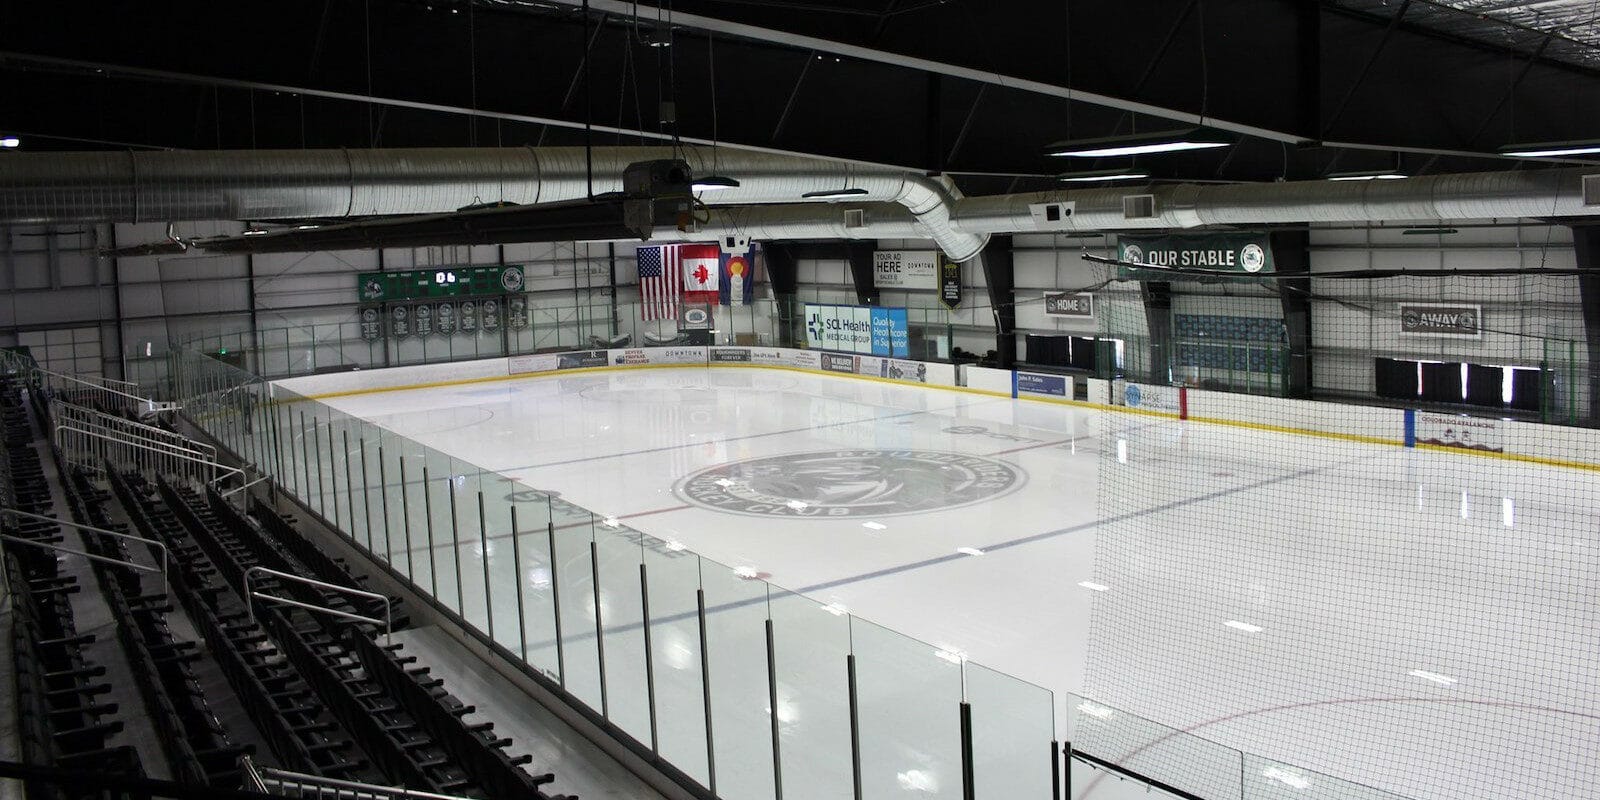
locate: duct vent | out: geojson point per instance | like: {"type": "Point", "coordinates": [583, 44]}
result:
{"type": "Point", "coordinates": [1138, 206]}
{"type": "Point", "coordinates": [1591, 190]}
{"type": "Point", "coordinates": [855, 218]}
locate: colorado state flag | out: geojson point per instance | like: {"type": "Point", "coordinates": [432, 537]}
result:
{"type": "Point", "coordinates": [739, 277]}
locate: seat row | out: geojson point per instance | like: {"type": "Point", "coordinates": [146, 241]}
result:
{"type": "Point", "coordinates": [63, 719]}
{"type": "Point", "coordinates": [295, 722]}
{"type": "Point", "coordinates": [412, 736]}
{"type": "Point", "coordinates": [195, 742]}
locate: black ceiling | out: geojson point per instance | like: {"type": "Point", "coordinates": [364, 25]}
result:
{"type": "Point", "coordinates": [195, 74]}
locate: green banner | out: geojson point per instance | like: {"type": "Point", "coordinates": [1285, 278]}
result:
{"type": "Point", "coordinates": [1218, 252]}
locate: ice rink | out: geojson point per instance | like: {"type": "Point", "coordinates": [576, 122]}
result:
{"type": "Point", "coordinates": [1423, 622]}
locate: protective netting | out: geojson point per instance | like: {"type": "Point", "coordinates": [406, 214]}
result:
{"type": "Point", "coordinates": [1490, 343]}
{"type": "Point", "coordinates": [1290, 584]}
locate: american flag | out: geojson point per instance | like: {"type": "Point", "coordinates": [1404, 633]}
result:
{"type": "Point", "coordinates": [660, 282]}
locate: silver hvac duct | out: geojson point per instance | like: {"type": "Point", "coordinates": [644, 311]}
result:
{"type": "Point", "coordinates": [295, 184]}
{"type": "Point", "coordinates": [1478, 195]}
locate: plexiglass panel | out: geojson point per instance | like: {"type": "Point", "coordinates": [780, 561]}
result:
{"type": "Point", "coordinates": [909, 699]}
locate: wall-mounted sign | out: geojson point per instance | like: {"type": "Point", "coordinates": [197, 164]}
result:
{"type": "Point", "coordinates": [695, 318]}
{"type": "Point", "coordinates": [1467, 433]}
{"type": "Point", "coordinates": [1221, 252]}
{"type": "Point", "coordinates": [371, 323]}
{"type": "Point", "coordinates": [421, 284]}
{"type": "Point", "coordinates": [1079, 304]}
{"type": "Point", "coordinates": [858, 329]}
{"type": "Point", "coordinates": [905, 269]}
{"type": "Point", "coordinates": [949, 283]}
{"type": "Point", "coordinates": [1050, 385]}
{"type": "Point", "coordinates": [1441, 321]}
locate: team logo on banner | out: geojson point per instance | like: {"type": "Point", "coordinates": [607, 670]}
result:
{"type": "Point", "coordinates": [838, 484]}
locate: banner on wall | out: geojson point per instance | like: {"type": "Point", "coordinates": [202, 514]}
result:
{"type": "Point", "coordinates": [422, 319]}
{"type": "Point", "coordinates": [1222, 252]}
{"type": "Point", "coordinates": [467, 316]}
{"type": "Point", "coordinates": [905, 269]}
{"type": "Point", "coordinates": [1441, 321]}
{"type": "Point", "coordinates": [1079, 305]}
{"type": "Point", "coordinates": [858, 329]}
{"type": "Point", "coordinates": [517, 312]}
{"type": "Point", "coordinates": [400, 321]}
{"type": "Point", "coordinates": [489, 315]}
{"type": "Point", "coordinates": [1467, 433]}
{"type": "Point", "coordinates": [444, 318]}
{"type": "Point", "coordinates": [371, 323]}
{"type": "Point", "coordinates": [1147, 396]}
{"type": "Point", "coordinates": [949, 283]}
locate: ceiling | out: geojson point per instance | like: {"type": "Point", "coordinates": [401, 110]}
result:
{"type": "Point", "coordinates": [972, 88]}
{"type": "Point", "coordinates": [1567, 31]}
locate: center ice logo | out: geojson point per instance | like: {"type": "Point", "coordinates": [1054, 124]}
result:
{"type": "Point", "coordinates": [850, 483]}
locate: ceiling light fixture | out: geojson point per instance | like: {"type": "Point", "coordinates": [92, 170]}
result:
{"type": "Point", "coordinates": [1097, 175]}
{"type": "Point", "coordinates": [713, 183]}
{"type": "Point", "coordinates": [1377, 175]}
{"type": "Point", "coordinates": [1551, 149]}
{"type": "Point", "coordinates": [834, 194]}
{"type": "Point", "coordinates": [1429, 230]}
{"type": "Point", "coordinates": [1138, 144]}
{"type": "Point", "coordinates": [10, 141]}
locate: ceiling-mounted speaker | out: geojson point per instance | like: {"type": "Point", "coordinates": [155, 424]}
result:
{"type": "Point", "coordinates": [1591, 190]}
{"type": "Point", "coordinates": [1052, 216]}
{"type": "Point", "coordinates": [855, 218]}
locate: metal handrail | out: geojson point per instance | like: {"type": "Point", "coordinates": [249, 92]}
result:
{"type": "Point", "coordinates": [266, 779]}
{"type": "Point", "coordinates": [165, 555]}
{"type": "Point", "coordinates": [60, 408]}
{"type": "Point", "coordinates": [172, 453]}
{"type": "Point", "coordinates": [388, 612]}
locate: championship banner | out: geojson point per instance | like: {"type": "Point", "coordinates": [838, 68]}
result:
{"type": "Point", "coordinates": [1219, 252]}
{"type": "Point", "coordinates": [400, 322]}
{"type": "Point", "coordinates": [422, 318]}
{"type": "Point", "coordinates": [516, 312]}
{"type": "Point", "coordinates": [489, 315]}
{"type": "Point", "coordinates": [467, 316]}
{"type": "Point", "coordinates": [444, 318]}
{"type": "Point", "coordinates": [949, 283]}
{"type": "Point", "coordinates": [371, 323]}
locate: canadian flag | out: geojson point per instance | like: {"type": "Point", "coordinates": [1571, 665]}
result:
{"type": "Point", "coordinates": [702, 269]}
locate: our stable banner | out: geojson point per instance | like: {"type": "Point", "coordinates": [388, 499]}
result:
{"type": "Point", "coordinates": [1221, 252]}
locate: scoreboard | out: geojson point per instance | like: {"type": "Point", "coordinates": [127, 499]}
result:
{"type": "Point", "coordinates": [438, 282]}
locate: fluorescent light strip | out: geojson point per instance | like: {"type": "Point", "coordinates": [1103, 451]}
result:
{"type": "Point", "coordinates": [1384, 176]}
{"type": "Point", "coordinates": [10, 141]}
{"type": "Point", "coordinates": [1574, 150]}
{"type": "Point", "coordinates": [1117, 176]}
{"type": "Point", "coordinates": [1442, 680]}
{"type": "Point", "coordinates": [1138, 149]}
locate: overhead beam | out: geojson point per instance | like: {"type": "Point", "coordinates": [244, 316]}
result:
{"type": "Point", "coordinates": [628, 8]}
